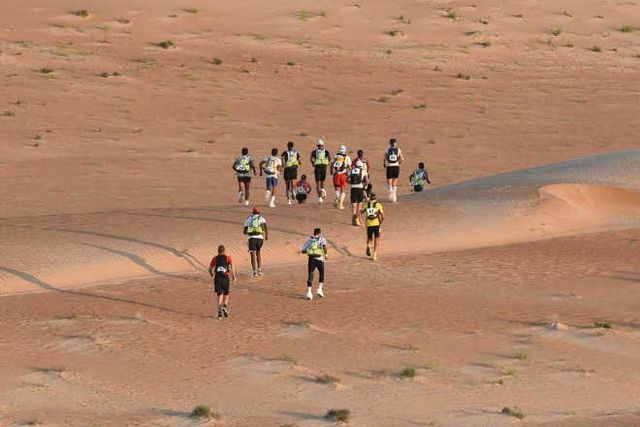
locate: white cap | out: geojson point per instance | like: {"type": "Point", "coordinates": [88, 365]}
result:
{"type": "Point", "coordinates": [320, 142]}
{"type": "Point", "coordinates": [343, 149]}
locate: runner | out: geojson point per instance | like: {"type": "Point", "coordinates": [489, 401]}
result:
{"type": "Point", "coordinates": [357, 179]}
{"type": "Point", "coordinates": [316, 250]}
{"type": "Point", "coordinates": [367, 168]}
{"type": "Point", "coordinates": [392, 160]}
{"type": "Point", "coordinates": [374, 213]}
{"type": "Point", "coordinates": [339, 168]}
{"type": "Point", "coordinates": [223, 267]}
{"type": "Point", "coordinates": [419, 177]}
{"type": "Point", "coordinates": [320, 160]}
{"type": "Point", "coordinates": [255, 227]}
{"type": "Point", "coordinates": [243, 166]}
{"type": "Point", "coordinates": [303, 189]}
{"type": "Point", "coordinates": [291, 160]}
{"type": "Point", "coordinates": [271, 166]}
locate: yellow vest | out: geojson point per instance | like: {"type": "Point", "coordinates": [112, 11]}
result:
{"type": "Point", "coordinates": [315, 250]}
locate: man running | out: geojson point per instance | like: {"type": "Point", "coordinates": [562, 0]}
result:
{"type": "Point", "coordinates": [367, 169]}
{"type": "Point", "coordinates": [303, 189]}
{"type": "Point", "coordinates": [392, 160]}
{"type": "Point", "coordinates": [243, 166]}
{"type": "Point", "coordinates": [320, 160]}
{"type": "Point", "coordinates": [418, 177]}
{"type": "Point", "coordinates": [357, 179]}
{"type": "Point", "coordinates": [271, 166]}
{"type": "Point", "coordinates": [255, 227]}
{"type": "Point", "coordinates": [291, 160]}
{"type": "Point", "coordinates": [339, 168]}
{"type": "Point", "coordinates": [223, 267]}
{"type": "Point", "coordinates": [316, 250]}
{"type": "Point", "coordinates": [374, 214]}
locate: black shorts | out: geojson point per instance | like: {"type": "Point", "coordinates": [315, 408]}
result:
{"type": "Point", "coordinates": [301, 197]}
{"type": "Point", "coordinates": [290, 174]}
{"type": "Point", "coordinates": [373, 231]}
{"type": "Point", "coordinates": [245, 179]}
{"type": "Point", "coordinates": [393, 172]}
{"type": "Point", "coordinates": [255, 244]}
{"type": "Point", "coordinates": [320, 172]}
{"type": "Point", "coordinates": [417, 188]}
{"type": "Point", "coordinates": [357, 195]}
{"type": "Point", "coordinates": [221, 285]}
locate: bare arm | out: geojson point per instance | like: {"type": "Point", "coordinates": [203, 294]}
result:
{"type": "Point", "coordinates": [253, 167]}
{"type": "Point", "coordinates": [266, 232]}
{"type": "Point", "coordinates": [261, 166]}
{"type": "Point", "coordinates": [233, 272]}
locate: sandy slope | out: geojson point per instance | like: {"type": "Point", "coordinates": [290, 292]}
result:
{"type": "Point", "coordinates": [108, 179]}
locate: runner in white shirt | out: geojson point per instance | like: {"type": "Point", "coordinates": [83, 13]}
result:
{"type": "Point", "coordinates": [271, 166]}
{"type": "Point", "coordinates": [340, 167]}
{"type": "Point", "coordinates": [255, 227]}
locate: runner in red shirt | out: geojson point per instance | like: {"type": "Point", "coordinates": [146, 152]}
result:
{"type": "Point", "coordinates": [221, 268]}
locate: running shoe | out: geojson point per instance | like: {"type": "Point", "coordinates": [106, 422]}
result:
{"type": "Point", "coordinates": [259, 272]}
{"type": "Point", "coordinates": [225, 311]}
{"type": "Point", "coordinates": [320, 292]}
{"type": "Point", "coordinates": [255, 274]}
{"type": "Point", "coordinates": [309, 295]}
{"type": "Point", "coordinates": [368, 252]}
{"type": "Point", "coordinates": [320, 200]}
{"type": "Point", "coordinates": [375, 256]}
{"type": "Point", "coordinates": [289, 201]}
{"type": "Point", "coordinates": [246, 203]}
{"type": "Point", "coordinates": [220, 315]}
{"type": "Point", "coordinates": [240, 196]}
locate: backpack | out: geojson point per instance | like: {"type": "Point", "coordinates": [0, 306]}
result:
{"type": "Point", "coordinates": [255, 227]}
{"type": "Point", "coordinates": [392, 155]}
{"type": "Point", "coordinates": [339, 162]}
{"type": "Point", "coordinates": [291, 158]}
{"type": "Point", "coordinates": [269, 166]}
{"type": "Point", "coordinates": [222, 266]}
{"type": "Point", "coordinates": [242, 164]}
{"type": "Point", "coordinates": [321, 157]}
{"type": "Point", "coordinates": [355, 176]}
{"type": "Point", "coordinates": [372, 210]}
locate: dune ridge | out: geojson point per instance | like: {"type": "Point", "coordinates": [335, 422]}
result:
{"type": "Point", "coordinates": [589, 194]}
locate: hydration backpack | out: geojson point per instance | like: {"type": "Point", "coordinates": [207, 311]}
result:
{"type": "Point", "coordinates": [242, 164]}
{"type": "Point", "coordinates": [222, 266]}
{"type": "Point", "coordinates": [372, 210]}
{"type": "Point", "coordinates": [355, 176]}
{"type": "Point", "coordinates": [392, 155]}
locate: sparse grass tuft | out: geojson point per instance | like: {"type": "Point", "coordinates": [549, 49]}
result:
{"type": "Point", "coordinates": [395, 91]}
{"type": "Point", "coordinates": [291, 64]}
{"type": "Point", "coordinates": [216, 61]}
{"type": "Point", "coordinates": [483, 21]}
{"type": "Point", "coordinates": [338, 415]}
{"type": "Point", "coordinates": [437, 68]}
{"type": "Point", "coordinates": [191, 10]}
{"type": "Point", "coordinates": [45, 70]}
{"type": "Point", "coordinates": [383, 99]}
{"type": "Point", "coordinates": [510, 372]}
{"type": "Point", "coordinates": [388, 51]}
{"type": "Point", "coordinates": [596, 49]}
{"type": "Point", "coordinates": [25, 43]}
{"type": "Point", "coordinates": [419, 107]}
{"type": "Point", "coordinates": [603, 325]}
{"type": "Point", "coordinates": [123, 20]}
{"type": "Point", "coordinates": [83, 13]}
{"type": "Point", "coordinates": [165, 44]}
{"type": "Point", "coordinates": [253, 59]}
{"type": "Point", "coordinates": [451, 14]}
{"type": "Point", "coordinates": [8, 113]}
{"type": "Point", "coordinates": [52, 369]}
{"type": "Point", "coordinates": [484, 44]}
{"type": "Point", "coordinates": [463, 76]}
{"type": "Point", "coordinates": [513, 412]}
{"type": "Point", "coordinates": [518, 15]}
{"type": "Point", "coordinates": [627, 29]}
{"type": "Point", "coordinates": [304, 15]}
{"type": "Point", "coordinates": [408, 373]}
{"type": "Point", "coordinates": [567, 14]}
{"type": "Point", "coordinates": [404, 19]}
{"type": "Point", "coordinates": [327, 379]}
{"type": "Point", "coordinates": [394, 33]}
{"type": "Point", "coordinates": [105, 74]}
{"type": "Point", "coordinates": [556, 32]}
{"type": "Point", "coordinates": [203, 411]}
{"type": "Point", "coordinates": [521, 355]}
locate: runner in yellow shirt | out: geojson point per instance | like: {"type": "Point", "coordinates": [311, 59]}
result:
{"type": "Point", "coordinates": [373, 213]}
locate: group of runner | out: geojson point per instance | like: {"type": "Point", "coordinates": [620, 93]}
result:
{"type": "Point", "coordinates": [353, 174]}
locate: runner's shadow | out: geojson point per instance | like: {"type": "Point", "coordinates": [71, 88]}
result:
{"type": "Point", "coordinates": [27, 277]}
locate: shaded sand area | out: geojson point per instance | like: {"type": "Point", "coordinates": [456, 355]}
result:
{"type": "Point", "coordinates": [512, 283]}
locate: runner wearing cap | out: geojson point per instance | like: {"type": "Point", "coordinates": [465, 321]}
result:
{"type": "Point", "coordinates": [255, 227]}
{"type": "Point", "coordinates": [340, 167]}
{"type": "Point", "coordinates": [320, 160]}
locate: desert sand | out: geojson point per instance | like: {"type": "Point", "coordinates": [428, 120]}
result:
{"type": "Point", "coordinates": [512, 282]}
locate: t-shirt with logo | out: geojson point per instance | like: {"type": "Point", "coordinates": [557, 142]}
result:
{"type": "Point", "coordinates": [270, 167]}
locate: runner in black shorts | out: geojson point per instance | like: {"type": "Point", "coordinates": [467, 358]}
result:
{"type": "Point", "coordinates": [320, 161]}
{"type": "Point", "coordinates": [291, 161]}
{"type": "Point", "coordinates": [392, 160]}
{"type": "Point", "coordinates": [221, 267]}
{"type": "Point", "coordinates": [373, 231]}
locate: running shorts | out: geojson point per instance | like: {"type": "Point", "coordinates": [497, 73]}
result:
{"type": "Point", "coordinates": [245, 179]}
{"type": "Point", "coordinates": [340, 180]}
{"type": "Point", "coordinates": [301, 197]}
{"type": "Point", "coordinates": [320, 172]}
{"type": "Point", "coordinates": [357, 195]}
{"type": "Point", "coordinates": [290, 174]}
{"type": "Point", "coordinates": [417, 188]}
{"type": "Point", "coordinates": [255, 244]}
{"type": "Point", "coordinates": [221, 285]}
{"type": "Point", "coordinates": [373, 231]}
{"type": "Point", "coordinates": [393, 172]}
{"type": "Point", "coordinates": [272, 182]}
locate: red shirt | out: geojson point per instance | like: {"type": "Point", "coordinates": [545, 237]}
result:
{"type": "Point", "coordinates": [213, 263]}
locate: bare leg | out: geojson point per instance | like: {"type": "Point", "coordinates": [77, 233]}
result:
{"type": "Point", "coordinates": [258, 259]}
{"type": "Point", "coordinates": [246, 191]}
{"type": "Point", "coordinates": [253, 261]}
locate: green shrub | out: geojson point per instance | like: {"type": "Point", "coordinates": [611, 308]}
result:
{"type": "Point", "coordinates": [203, 411]}
{"type": "Point", "coordinates": [338, 415]}
{"type": "Point", "coordinates": [408, 373]}
{"type": "Point", "coordinates": [166, 44]}
{"type": "Point", "coordinates": [513, 412]}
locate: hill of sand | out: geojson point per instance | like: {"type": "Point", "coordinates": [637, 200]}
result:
{"type": "Point", "coordinates": [511, 283]}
